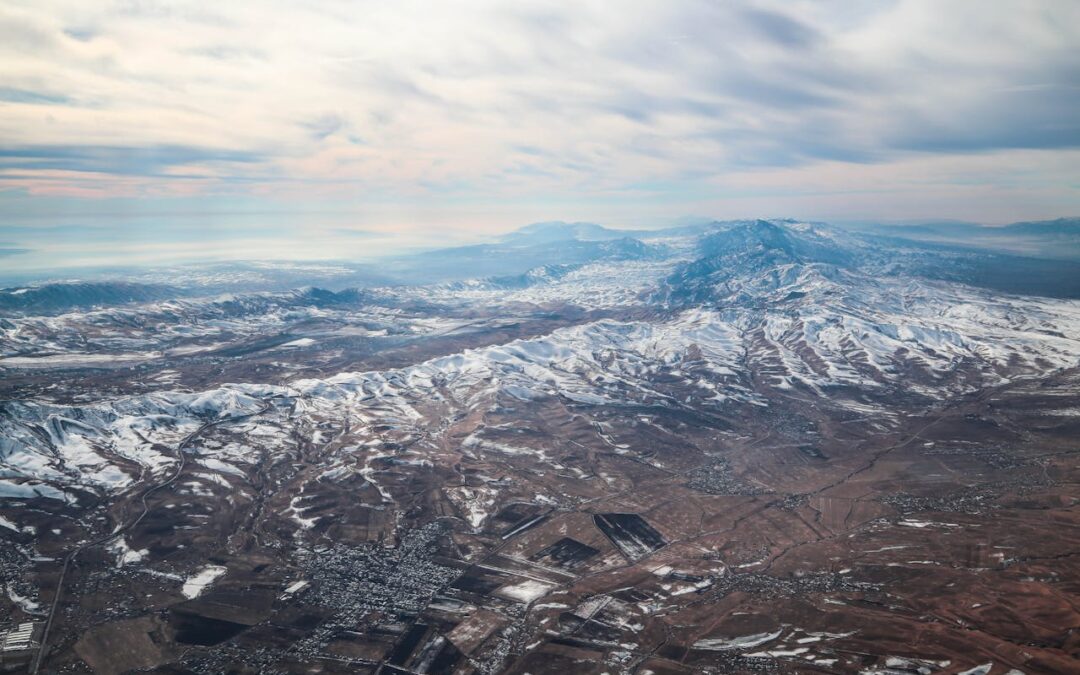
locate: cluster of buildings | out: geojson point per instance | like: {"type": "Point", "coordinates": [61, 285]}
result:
{"type": "Point", "coordinates": [18, 643]}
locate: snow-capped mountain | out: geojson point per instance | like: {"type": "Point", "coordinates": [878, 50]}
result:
{"type": "Point", "coordinates": [736, 446]}
{"type": "Point", "coordinates": [756, 308]}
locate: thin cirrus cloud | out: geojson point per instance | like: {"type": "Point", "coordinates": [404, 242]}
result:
{"type": "Point", "coordinates": [137, 160]}
{"type": "Point", "coordinates": [410, 111]}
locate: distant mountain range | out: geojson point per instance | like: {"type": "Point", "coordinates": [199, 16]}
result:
{"type": "Point", "coordinates": [1041, 258]}
{"type": "Point", "coordinates": [1058, 239]}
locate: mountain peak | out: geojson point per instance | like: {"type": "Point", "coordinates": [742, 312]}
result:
{"type": "Point", "coordinates": [558, 230]}
{"type": "Point", "coordinates": [767, 252]}
{"type": "Point", "coordinates": [780, 240]}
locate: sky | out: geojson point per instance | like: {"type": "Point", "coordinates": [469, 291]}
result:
{"type": "Point", "coordinates": [141, 131]}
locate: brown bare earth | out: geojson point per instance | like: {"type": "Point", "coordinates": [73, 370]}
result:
{"type": "Point", "coordinates": [949, 536]}
{"type": "Point", "coordinates": [750, 451]}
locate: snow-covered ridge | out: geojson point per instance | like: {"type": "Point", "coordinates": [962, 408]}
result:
{"type": "Point", "coordinates": [187, 326]}
{"type": "Point", "coordinates": [781, 324]}
{"type": "Point", "coordinates": [870, 334]}
{"type": "Point", "coordinates": [101, 445]}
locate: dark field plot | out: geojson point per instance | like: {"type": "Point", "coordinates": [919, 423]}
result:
{"type": "Point", "coordinates": [567, 553]}
{"type": "Point", "coordinates": [193, 629]}
{"type": "Point", "coordinates": [634, 537]}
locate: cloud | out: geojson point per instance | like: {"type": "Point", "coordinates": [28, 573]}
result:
{"type": "Point", "coordinates": [354, 233]}
{"type": "Point", "coordinates": [325, 125]}
{"type": "Point", "coordinates": [781, 29]}
{"type": "Point", "coordinates": [150, 160]}
{"type": "Point", "coordinates": [417, 102]}
{"type": "Point", "coordinates": [13, 95]}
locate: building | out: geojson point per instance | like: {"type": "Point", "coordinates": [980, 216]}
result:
{"type": "Point", "coordinates": [17, 645]}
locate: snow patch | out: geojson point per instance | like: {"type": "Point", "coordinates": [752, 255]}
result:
{"type": "Point", "coordinates": [195, 585]}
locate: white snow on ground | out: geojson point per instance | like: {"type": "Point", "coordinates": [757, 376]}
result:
{"type": "Point", "coordinates": [194, 349]}
{"type": "Point", "coordinates": [779, 653]}
{"type": "Point", "coordinates": [70, 360]}
{"type": "Point", "coordinates": [12, 490]}
{"type": "Point", "coordinates": [819, 345]}
{"type": "Point", "coordinates": [684, 589]}
{"type": "Point", "coordinates": [895, 664]}
{"type": "Point", "coordinates": [213, 478]}
{"type": "Point", "coordinates": [194, 586]}
{"type": "Point", "coordinates": [218, 465]}
{"type": "Point", "coordinates": [852, 330]}
{"type": "Point", "coordinates": [741, 642]}
{"type": "Point", "coordinates": [73, 444]}
{"type": "Point", "coordinates": [1061, 412]}
{"type": "Point", "coordinates": [593, 286]}
{"type": "Point", "coordinates": [302, 342]}
{"type": "Point", "coordinates": [525, 591]}
{"type": "Point", "coordinates": [473, 502]}
{"type": "Point", "coordinates": [125, 555]}
{"type": "Point", "coordinates": [297, 514]}
{"type": "Point", "coordinates": [921, 524]}
{"type": "Point", "coordinates": [296, 585]}
{"type": "Point", "coordinates": [26, 604]}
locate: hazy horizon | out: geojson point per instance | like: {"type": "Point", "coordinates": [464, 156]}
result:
{"type": "Point", "coordinates": [37, 258]}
